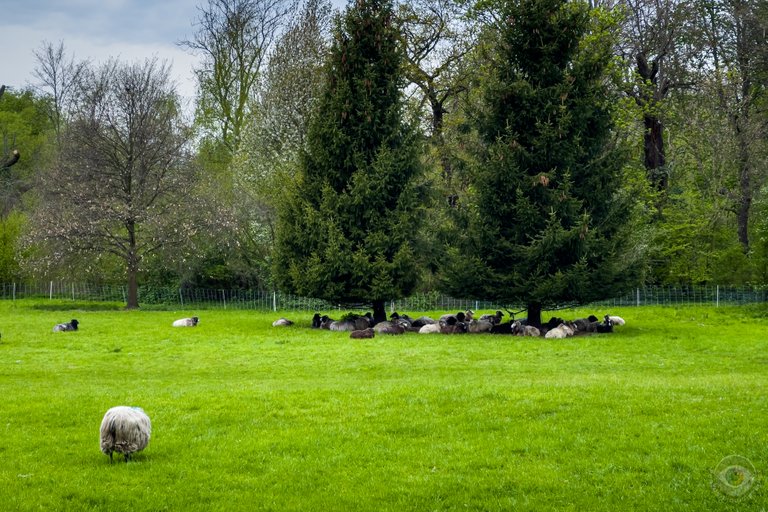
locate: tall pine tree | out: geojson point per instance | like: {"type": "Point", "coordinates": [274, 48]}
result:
{"type": "Point", "coordinates": [548, 222]}
{"type": "Point", "coordinates": [344, 232]}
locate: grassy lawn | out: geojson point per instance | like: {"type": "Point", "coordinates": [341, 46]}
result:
{"type": "Point", "coordinates": [250, 417]}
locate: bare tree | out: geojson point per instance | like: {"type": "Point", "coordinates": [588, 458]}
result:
{"type": "Point", "coordinates": [123, 182]}
{"type": "Point", "coordinates": [60, 78]}
{"type": "Point", "coordinates": [233, 37]}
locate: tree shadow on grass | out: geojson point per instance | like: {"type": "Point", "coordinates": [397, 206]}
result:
{"type": "Point", "coordinates": [82, 306]}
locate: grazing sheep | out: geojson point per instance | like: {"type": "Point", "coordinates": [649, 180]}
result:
{"type": "Point", "coordinates": [186, 322]}
{"type": "Point", "coordinates": [125, 430]}
{"type": "Point", "coordinates": [71, 326]}
{"type": "Point", "coordinates": [362, 334]}
{"type": "Point", "coordinates": [478, 326]}
{"type": "Point", "coordinates": [280, 322]}
{"type": "Point", "coordinates": [429, 329]}
{"type": "Point", "coordinates": [494, 319]}
{"type": "Point", "coordinates": [616, 320]}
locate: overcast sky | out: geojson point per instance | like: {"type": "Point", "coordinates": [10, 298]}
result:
{"type": "Point", "coordinates": [130, 30]}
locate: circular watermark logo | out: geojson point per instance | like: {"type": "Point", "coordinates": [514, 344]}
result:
{"type": "Point", "coordinates": [734, 476]}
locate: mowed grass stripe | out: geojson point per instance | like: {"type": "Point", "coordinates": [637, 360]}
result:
{"type": "Point", "coordinates": [250, 417]}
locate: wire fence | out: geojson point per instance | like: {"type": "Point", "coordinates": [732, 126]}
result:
{"type": "Point", "coordinates": [192, 298]}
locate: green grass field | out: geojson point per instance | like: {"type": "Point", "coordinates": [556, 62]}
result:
{"type": "Point", "coordinates": [250, 417]}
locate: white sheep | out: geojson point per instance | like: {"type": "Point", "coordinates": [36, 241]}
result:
{"type": "Point", "coordinates": [616, 320]}
{"type": "Point", "coordinates": [186, 322]}
{"type": "Point", "coordinates": [282, 322]}
{"type": "Point", "coordinates": [429, 329]}
{"type": "Point", "coordinates": [558, 332]}
{"type": "Point", "coordinates": [125, 430]}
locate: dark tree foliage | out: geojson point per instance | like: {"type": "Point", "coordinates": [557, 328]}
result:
{"type": "Point", "coordinates": [345, 233]}
{"type": "Point", "coordinates": [547, 225]}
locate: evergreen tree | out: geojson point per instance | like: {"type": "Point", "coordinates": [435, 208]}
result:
{"type": "Point", "coordinates": [548, 223]}
{"type": "Point", "coordinates": [344, 232]}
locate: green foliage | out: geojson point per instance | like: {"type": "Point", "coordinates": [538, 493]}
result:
{"type": "Point", "coordinates": [250, 417]}
{"type": "Point", "coordinates": [11, 228]}
{"type": "Point", "coordinates": [345, 230]}
{"type": "Point", "coordinates": [549, 222]}
{"type": "Point", "coordinates": [23, 127]}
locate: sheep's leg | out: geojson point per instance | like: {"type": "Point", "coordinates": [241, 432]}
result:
{"type": "Point", "coordinates": [110, 457]}
{"type": "Point", "coordinates": [127, 457]}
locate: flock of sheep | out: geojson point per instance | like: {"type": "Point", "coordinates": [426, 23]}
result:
{"type": "Point", "coordinates": [364, 326]}
{"type": "Point", "coordinates": [127, 430]}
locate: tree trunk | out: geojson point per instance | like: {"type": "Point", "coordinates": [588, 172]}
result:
{"type": "Point", "coordinates": [745, 192]}
{"type": "Point", "coordinates": [379, 311]}
{"type": "Point", "coordinates": [133, 268]}
{"type": "Point", "coordinates": [133, 288]}
{"type": "Point", "coordinates": [534, 314]}
{"type": "Point", "coordinates": [655, 160]}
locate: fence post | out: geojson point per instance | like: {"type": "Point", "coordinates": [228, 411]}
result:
{"type": "Point", "coordinates": [224, 299]}
{"type": "Point", "coordinates": [274, 300]}
{"type": "Point", "coordinates": [73, 292]}
{"type": "Point", "coordinates": [717, 296]}
{"type": "Point", "coordinates": [638, 297]}
{"type": "Point", "coordinates": [50, 291]}
{"type": "Point", "coordinates": [181, 298]}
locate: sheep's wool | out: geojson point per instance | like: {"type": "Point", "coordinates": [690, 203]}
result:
{"type": "Point", "coordinates": [125, 430]}
{"type": "Point", "coordinates": [185, 322]}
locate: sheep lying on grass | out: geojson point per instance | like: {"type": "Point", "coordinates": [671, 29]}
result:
{"type": "Point", "coordinates": [186, 322]}
{"type": "Point", "coordinates": [362, 334]}
{"type": "Point", "coordinates": [281, 322]}
{"type": "Point", "coordinates": [616, 320]}
{"type": "Point", "coordinates": [494, 319]}
{"type": "Point", "coordinates": [352, 322]}
{"type": "Point", "coordinates": [558, 332]}
{"type": "Point", "coordinates": [477, 326]}
{"type": "Point", "coordinates": [71, 326]}
{"type": "Point", "coordinates": [124, 430]}
{"type": "Point", "coordinates": [398, 327]}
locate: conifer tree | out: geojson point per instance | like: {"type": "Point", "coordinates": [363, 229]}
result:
{"type": "Point", "coordinates": [548, 222]}
{"type": "Point", "coordinates": [344, 232]}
